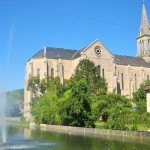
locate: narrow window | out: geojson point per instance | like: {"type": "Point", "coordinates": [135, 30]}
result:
{"type": "Point", "coordinates": [147, 77]}
{"type": "Point", "coordinates": [135, 82]}
{"type": "Point", "coordinates": [103, 73]}
{"type": "Point", "coordinates": [52, 72]}
{"type": "Point", "coordinates": [122, 81]}
{"type": "Point", "coordinates": [148, 44]}
{"type": "Point", "coordinates": [99, 70]}
{"type": "Point", "coordinates": [47, 70]}
{"type": "Point", "coordinates": [142, 45]}
{"type": "Point", "coordinates": [38, 72]}
{"type": "Point", "coordinates": [118, 74]}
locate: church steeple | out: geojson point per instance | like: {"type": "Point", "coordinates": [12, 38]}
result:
{"type": "Point", "coordinates": [143, 39]}
{"type": "Point", "coordinates": [144, 28]}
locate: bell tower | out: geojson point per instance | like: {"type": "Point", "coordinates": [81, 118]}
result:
{"type": "Point", "coordinates": [143, 39]}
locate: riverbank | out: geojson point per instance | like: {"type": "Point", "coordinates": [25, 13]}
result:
{"type": "Point", "coordinates": [80, 130]}
{"type": "Point", "coordinates": [90, 131]}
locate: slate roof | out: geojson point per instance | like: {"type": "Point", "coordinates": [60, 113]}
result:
{"type": "Point", "coordinates": [78, 53]}
{"type": "Point", "coordinates": [132, 61]}
{"type": "Point", "coordinates": [54, 53]}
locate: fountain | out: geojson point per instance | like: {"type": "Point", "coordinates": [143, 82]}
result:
{"type": "Point", "coordinates": [17, 141]}
{"type": "Point", "coordinates": [3, 125]}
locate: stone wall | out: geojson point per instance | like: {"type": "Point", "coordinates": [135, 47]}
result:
{"type": "Point", "coordinates": [89, 131]}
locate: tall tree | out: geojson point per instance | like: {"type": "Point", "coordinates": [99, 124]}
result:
{"type": "Point", "coordinates": [139, 97]}
{"type": "Point", "coordinates": [75, 109]}
{"type": "Point", "coordinates": [45, 108]}
{"type": "Point", "coordinates": [87, 70]}
{"type": "Point", "coordinates": [114, 109]}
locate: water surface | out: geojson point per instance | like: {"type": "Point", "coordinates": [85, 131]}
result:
{"type": "Point", "coordinates": [34, 139]}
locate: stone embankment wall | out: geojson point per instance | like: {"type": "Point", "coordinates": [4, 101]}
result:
{"type": "Point", "coordinates": [89, 131]}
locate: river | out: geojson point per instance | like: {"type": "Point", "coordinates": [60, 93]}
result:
{"type": "Point", "coordinates": [34, 139]}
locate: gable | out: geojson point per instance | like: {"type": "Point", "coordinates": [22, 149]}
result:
{"type": "Point", "coordinates": [96, 49]}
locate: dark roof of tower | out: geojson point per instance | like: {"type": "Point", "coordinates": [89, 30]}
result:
{"type": "Point", "coordinates": [132, 61]}
{"type": "Point", "coordinates": [51, 52]}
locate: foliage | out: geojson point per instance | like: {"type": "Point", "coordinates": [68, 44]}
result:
{"type": "Point", "coordinates": [113, 109]}
{"type": "Point", "coordinates": [87, 70]}
{"type": "Point", "coordinates": [33, 84]}
{"type": "Point", "coordinates": [44, 108]}
{"type": "Point", "coordinates": [75, 107]}
{"type": "Point", "coordinates": [141, 116]}
{"type": "Point", "coordinates": [140, 94]}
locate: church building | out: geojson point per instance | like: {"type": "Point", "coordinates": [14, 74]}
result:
{"type": "Point", "coordinates": [123, 73]}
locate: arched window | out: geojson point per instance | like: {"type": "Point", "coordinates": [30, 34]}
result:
{"type": "Point", "coordinates": [135, 78]}
{"type": "Point", "coordinates": [99, 70]}
{"type": "Point", "coordinates": [52, 72]}
{"type": "Point", "coordinates": [38, 72]}
{"type": "Point", "coordinates": [103, 73]}
{"type": "Point", "coordinates": [122, 81]}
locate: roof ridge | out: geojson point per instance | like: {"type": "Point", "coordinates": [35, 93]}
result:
{"type": "Point", "coordinates": [125, 55]}
{"type": "Point", "coordinates": [61, 48]}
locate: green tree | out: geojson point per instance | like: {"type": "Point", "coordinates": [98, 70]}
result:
{"type": "Point", "coordinates": [87, 70]}
{"type": "Point", "coordinates": [45, 108]}
{"type": "Point", "coordinates": [139, 97]}
{"type": "Point", "coordinates": [75, 109]}
{"type": "Point", "coordinates": [33, 84]}
{"type": "Point", "coordinates": [140, 94]}
{"type": "Point", "coordinates": [114, 110]}
{"type": "Point", "coordinates": [48, 84]}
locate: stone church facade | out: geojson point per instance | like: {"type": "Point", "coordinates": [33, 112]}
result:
{"type": "Point", "coordinates": [123, 73]}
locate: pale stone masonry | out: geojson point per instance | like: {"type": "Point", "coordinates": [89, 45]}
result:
{"type": "Point", "coordinates": [147, 89]}
{"type": "Point", "coordinates": [122, 73]}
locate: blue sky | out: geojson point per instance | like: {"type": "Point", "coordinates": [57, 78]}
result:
{"type": "Point", "coordinates": [29, 25]}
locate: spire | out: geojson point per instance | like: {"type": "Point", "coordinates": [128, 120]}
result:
{"type": "Point", "coordinates": [144, 28]}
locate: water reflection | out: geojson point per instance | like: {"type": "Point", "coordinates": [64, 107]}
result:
{"type": "Point", "coordinates": [26, 138]}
